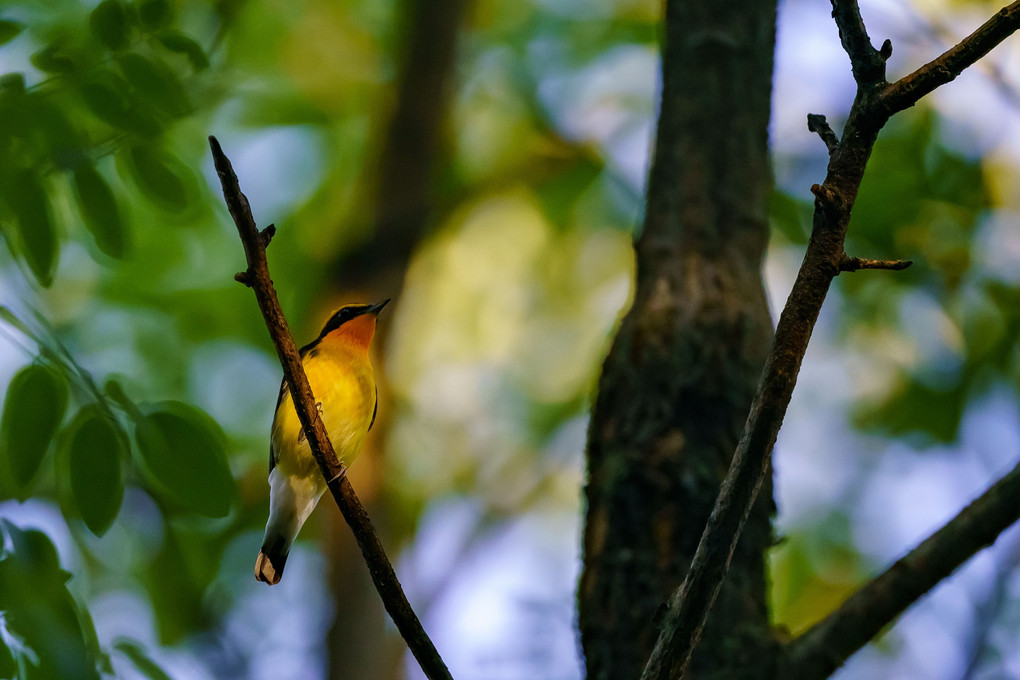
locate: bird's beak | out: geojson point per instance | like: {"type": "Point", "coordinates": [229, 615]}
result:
{"type": "Point", "coordinates": [376, 308]}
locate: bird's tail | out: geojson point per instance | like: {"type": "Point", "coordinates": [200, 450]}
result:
{"type": "Point", "coordinates": [272, 558]}
{"type": "Point", "coordinates": [291, 501]}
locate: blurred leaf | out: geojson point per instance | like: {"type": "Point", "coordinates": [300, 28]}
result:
{"type": "Point", "coordinates": [38, 235]}
{"type": "Point", "coordinates": [53, 59]}
{"type": "Point", "coordinates": [9, 30]}
{"type": "Point", "coordinates": [99, 210]}
{"type": "Point", "coordinates": [917, 408]}
{"type": "Point", "coordinates": [109, 23]}
{"type": "Point", "coordinates": [13, 82]}
{"type": "Point", "coordinates": [159, 176]}
{"type": "Point", "coordinates": [51, 627]}
{"type": "Point", "coordinates": [34, 550]}
{"type": "Point", "coordinates": [280, 107]}
{"type": "Point", "coordinates": [40, 610]}
{"type": "Point", "coordinates": [175, 41]}
{"type": "Point", "coordinates": [174, 614]}
{"type": "Point", "coordinates": [8, 666]}
{"type": "Point", "coordinates": [560, 191]}
{"type": "Point", "coordinates": [35, 405]}
{"type": "Point", "coordinates": [95, 451]}
{"type": "Point", "coordinates": [136, 653]}
{"type": "Point", "coordinates": [106, 95]}
{"type": "Point", "coordinates": [155, 14]}
{"type": "Point", "coordinates": [157, 82]}
{"type": "Point", "coordinates": [115, 391]}
{"type": "Point", "coordinates": [183, 452]}
{"type": "Point", "coordinates": [920, 197]}
{"type": "Point", "coordinates": [59, 132]}
{"type": "Point", "coordinates": [790, 217]}
{"type": "Point", "coordinates": [891, 192]}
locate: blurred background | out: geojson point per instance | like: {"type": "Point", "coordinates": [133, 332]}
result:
{"type": "Point", "coordinates": [483, 163]}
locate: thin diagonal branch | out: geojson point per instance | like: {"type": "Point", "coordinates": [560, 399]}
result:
{"type": "Point", "coordinates": [257, 277]}
{"type": "Point", "coordinates": [828, 644]}
{"type": "Point", "coordinates": [906, 91]}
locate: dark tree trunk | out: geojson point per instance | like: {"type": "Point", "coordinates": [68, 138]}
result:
{"type": "Point", "coordinates": [679, 379]}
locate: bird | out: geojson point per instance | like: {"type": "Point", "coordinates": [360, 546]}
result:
{"type": "Point", "coordinates": [343, 382]}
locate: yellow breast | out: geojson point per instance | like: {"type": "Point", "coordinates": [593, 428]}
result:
{"type": "Point", "coordinates": [343, 383]}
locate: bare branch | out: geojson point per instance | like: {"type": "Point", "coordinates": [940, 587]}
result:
{"type": "Point", "coordinates": [816, 123]}
{"type": "Point", "coordinates": [827, 645]}
{"type": "Point", "coordinates": [852, 264]}
{"type": "Point", "coordinates": [906, 91]}
{"type": "Point", "coordinates": [868, 63]}
{"type": "Point", "coordinates": [257, 277]}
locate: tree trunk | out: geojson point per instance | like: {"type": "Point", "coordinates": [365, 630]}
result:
{"type": "Point", "coordinates": [679, 378]}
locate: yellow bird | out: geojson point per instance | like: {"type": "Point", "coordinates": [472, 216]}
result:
{"type": "Point", "coordinates": [343, 382]}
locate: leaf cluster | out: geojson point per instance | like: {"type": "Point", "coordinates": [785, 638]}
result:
{"type": "Point", "coordinates": [113, 90]}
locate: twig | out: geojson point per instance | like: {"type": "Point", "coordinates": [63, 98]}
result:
{"type": "Point", "coordinates": [825, 646]}
{"type": "Point", "coordinates": [906, 91]}
{"type": "Point", "coordinates": [868, 64]}
{"type": "Point", "coordinates": [852, 264]}
{"type": "Point", "coordinates": [817, 123]}
{"type": "Point", "coordinates": [690, 604]}
{"type": "Point", "coordinates": [257, 277]}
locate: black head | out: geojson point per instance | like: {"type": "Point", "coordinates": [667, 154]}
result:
{"type": "Point", "coordinates": [345, 314]}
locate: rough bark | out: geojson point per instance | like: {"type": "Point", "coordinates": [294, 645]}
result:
{"type": "Point", "coordinates": [679, 378]}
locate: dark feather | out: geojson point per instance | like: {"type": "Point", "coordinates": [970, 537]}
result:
{"type": "Point", "coordinates": [375, 409]}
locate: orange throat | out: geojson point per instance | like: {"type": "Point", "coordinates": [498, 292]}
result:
{"type": "Point", "coordinates": [357, 332]}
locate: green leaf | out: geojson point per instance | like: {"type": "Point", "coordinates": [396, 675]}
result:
{"type": "Point", "coordinates": [155, 14]}
{"type": "Point", "coordinates": [34, 552]}
{"type": "Point", "coordinates": [9, 30]}
{"type": "Point", "coordinates": [35, 405]}
{"type": "Point", "coordinates": [175, 41]}
{"type": "Point", "coordinates": [916, 408]}
{"type": "Point", "coordinates": [52, 628]}
{"type": "Point", "coordinates": [8, 666]}
{"type": "Point", "coordinates": [99, 210]}
{"type": "Point", "coordinates": [109, 23]}
{"type": "Point", "coordinates": [39, 610]}
{"type": "Point", "coordinates": [106, 95]}
{"type": "Point", "coordinates": [790, 216]}
{"type": "Point", "coordinates": [13, 82]}
{"type": "Point", "coordinates": [184, 455]}
{"type": "Point", "coordinates": [158, 176]}
{"type": "Point", "coordinates": [59, 132]}
{"type": "Point", "coordinates": [142, 661]}
{"type": "Point", "coordinates": [38, 234]}
{"type": "Point", "coordinates": [156, 82]}
{"type": "Point", "coordinates": [95, 451]}
{"type": "Point", "coordinates": [53, 59]}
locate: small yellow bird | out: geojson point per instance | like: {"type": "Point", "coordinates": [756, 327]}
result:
{"type": "Point", "coordinates": [343, 382]}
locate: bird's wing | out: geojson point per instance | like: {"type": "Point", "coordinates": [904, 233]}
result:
{"type": "Point", "coordinates": [375, 409]}
{"type": "Point", "coordinates": [279, 400]}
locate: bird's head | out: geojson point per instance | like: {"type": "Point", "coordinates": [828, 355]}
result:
{"type": "Point", "coordinates": [352, 324]}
